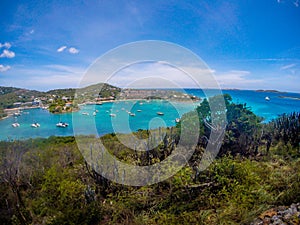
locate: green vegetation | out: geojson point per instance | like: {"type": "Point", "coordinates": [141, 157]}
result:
{"type": "Point", "coordinates": [58, 100]}
{"type": "Point", "coordinates": [10, 95]}
{"type": "Point", "coordinates": [47, 181]}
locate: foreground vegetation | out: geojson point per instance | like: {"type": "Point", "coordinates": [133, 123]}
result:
{"type": "Point", "coordinates": [47, 181]}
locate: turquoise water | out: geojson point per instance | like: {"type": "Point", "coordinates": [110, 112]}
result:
{"type": "Point", "coordinates": [256, 101]}
{"type": "Point", "coordinates": [145, 115]}
{"type": "Point", "coordinates": [145, 118]}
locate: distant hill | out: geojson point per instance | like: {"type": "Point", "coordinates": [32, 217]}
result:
{"type": "Point", "coordinates": [270, 91]}
{"type": "Point", "coordinates": [11, 95]}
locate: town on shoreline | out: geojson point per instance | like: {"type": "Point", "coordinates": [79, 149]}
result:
{"type": "Point", "coordinates": [70, 100]}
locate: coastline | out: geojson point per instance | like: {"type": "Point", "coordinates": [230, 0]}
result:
{"type": "Point", "coordinates": [289, 97]}
{"type": "Point", "coordinates": [10, 112]}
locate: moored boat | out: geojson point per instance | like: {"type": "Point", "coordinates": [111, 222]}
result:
{"type": "Point", "coordinates": [62, 124]}
{"type": "Point", "coordinates": [15, 125]}
{"type": "Point", "coordinates": [35, 125]}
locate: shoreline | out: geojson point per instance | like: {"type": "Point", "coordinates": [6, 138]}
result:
{"type": "Point", "coordinates": [12, 111]}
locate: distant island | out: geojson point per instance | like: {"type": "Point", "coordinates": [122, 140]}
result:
{"type": "Point", "coordinates": [289, 97]}
{"type": "Point", "coordinates": [269, 91]}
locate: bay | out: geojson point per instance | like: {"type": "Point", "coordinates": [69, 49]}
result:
{"type": "Point", "coordinates": [115, 117]}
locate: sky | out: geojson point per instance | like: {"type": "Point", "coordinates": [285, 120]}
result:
{"type": "Point", "coordinates": [245, 44]}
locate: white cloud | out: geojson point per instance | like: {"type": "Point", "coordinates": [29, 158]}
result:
{"type": "Point", "coordinates": [61, 49]}
{"type": "Point", "coordinates": [288, 66]}
{"type": "Point", "coordinates": [5, 45]}
{"type": "Point", "coordinates": [237, 79]}
{"type": "Point", "coordinates": [7, 54]}
{"type": "Point", "coordinates": [73, 50]}
{"type": "Point", "coordinates": [4, 68]}
{"type": "Point", "coordinates": [46, 77]}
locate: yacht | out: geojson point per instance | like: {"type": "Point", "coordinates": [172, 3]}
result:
{"type": "Point", "coordinates": [62, 124]}
{"type": "Point", "coordinates": [160, 113]}
{"type": "Point", "coordinates": [112, 115]}
{"type": "Point", "coordinates": [15, 125]}
{"type": "Point", "coordinates": [85, 113]}
{"type": "Point", "coordinates": [35, 125]}
{"type": "Point", "coordinates": [94, 113]}
{"type": "Point", "coordinates": [267, 98]}
{"type": "Point", "coordinates": [132, 114]}
{"type": "Point", "coordinates": [177, 120]}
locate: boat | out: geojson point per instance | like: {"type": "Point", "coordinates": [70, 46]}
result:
{"type": "Point", "coordinates": [17, 114]}
{"type": "Point", "coordinates": [15, 125]}
{"type": "Point", "coordinates": [112, 115]}
{"type": "Point", "coordinates": [267, 98]}
{"type": "Point", "coordinates": [35, 125]}
{"type": "Point", "coordinates": [85, 113]}
{"type": "Point", "coordinates": [139, 110]}
{"type": "Point", "coordinates": [62, 124]}
{"type": "Point", "coordinates": [160, 113]}
{"type": "Point", "coordinates": [177, 120]}
{"type": "Point", "coordinates": [94, 113]}
{"type": "Point", "coordinates": [132, 114]}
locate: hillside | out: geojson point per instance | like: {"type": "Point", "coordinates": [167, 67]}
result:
{"type": "Point", "coordinates": [11, 95]}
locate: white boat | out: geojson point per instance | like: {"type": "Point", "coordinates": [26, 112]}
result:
{"type": "Point", "coordinates": [15, 125]}
{"type": "Point", "coordinates": [113, 115]}
{"type": "Point", "coordinates": [85, 113]}
{"type": "Point", "coordinates": [17, 114]}
{"type": "Point", "coordinates": [35, 125]}
{"type": "Point", "coordinates": [139, 110]}
{"type": "Point", "coordinates": [267, 98]}
{"type": "Point", "coordinates": [62, 124]}
{"type": "Point", "coordinates": [177, 120]}
{"type": "Point", "coordinates": [160, 113]}
{"type": "Point", "coordinates": [94, 113]}
{"type": "Point", "coordinates": [132, 114]}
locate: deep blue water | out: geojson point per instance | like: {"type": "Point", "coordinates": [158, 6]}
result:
{"type": "Point", "coordinates": [145, 118]}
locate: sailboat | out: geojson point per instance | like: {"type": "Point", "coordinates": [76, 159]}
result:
{"type": "Point", "coordinates": [35, 125]}
{"type": "Point", "coordinates": [62, 124]}
{"type": "Point", "coordinates": [15, 124]}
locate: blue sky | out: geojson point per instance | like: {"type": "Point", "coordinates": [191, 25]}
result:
{"type": "Point", "coordinates": [247, 44]}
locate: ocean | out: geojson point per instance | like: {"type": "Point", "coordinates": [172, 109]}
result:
{"type": "Point", "coordinates": [115, 117]}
